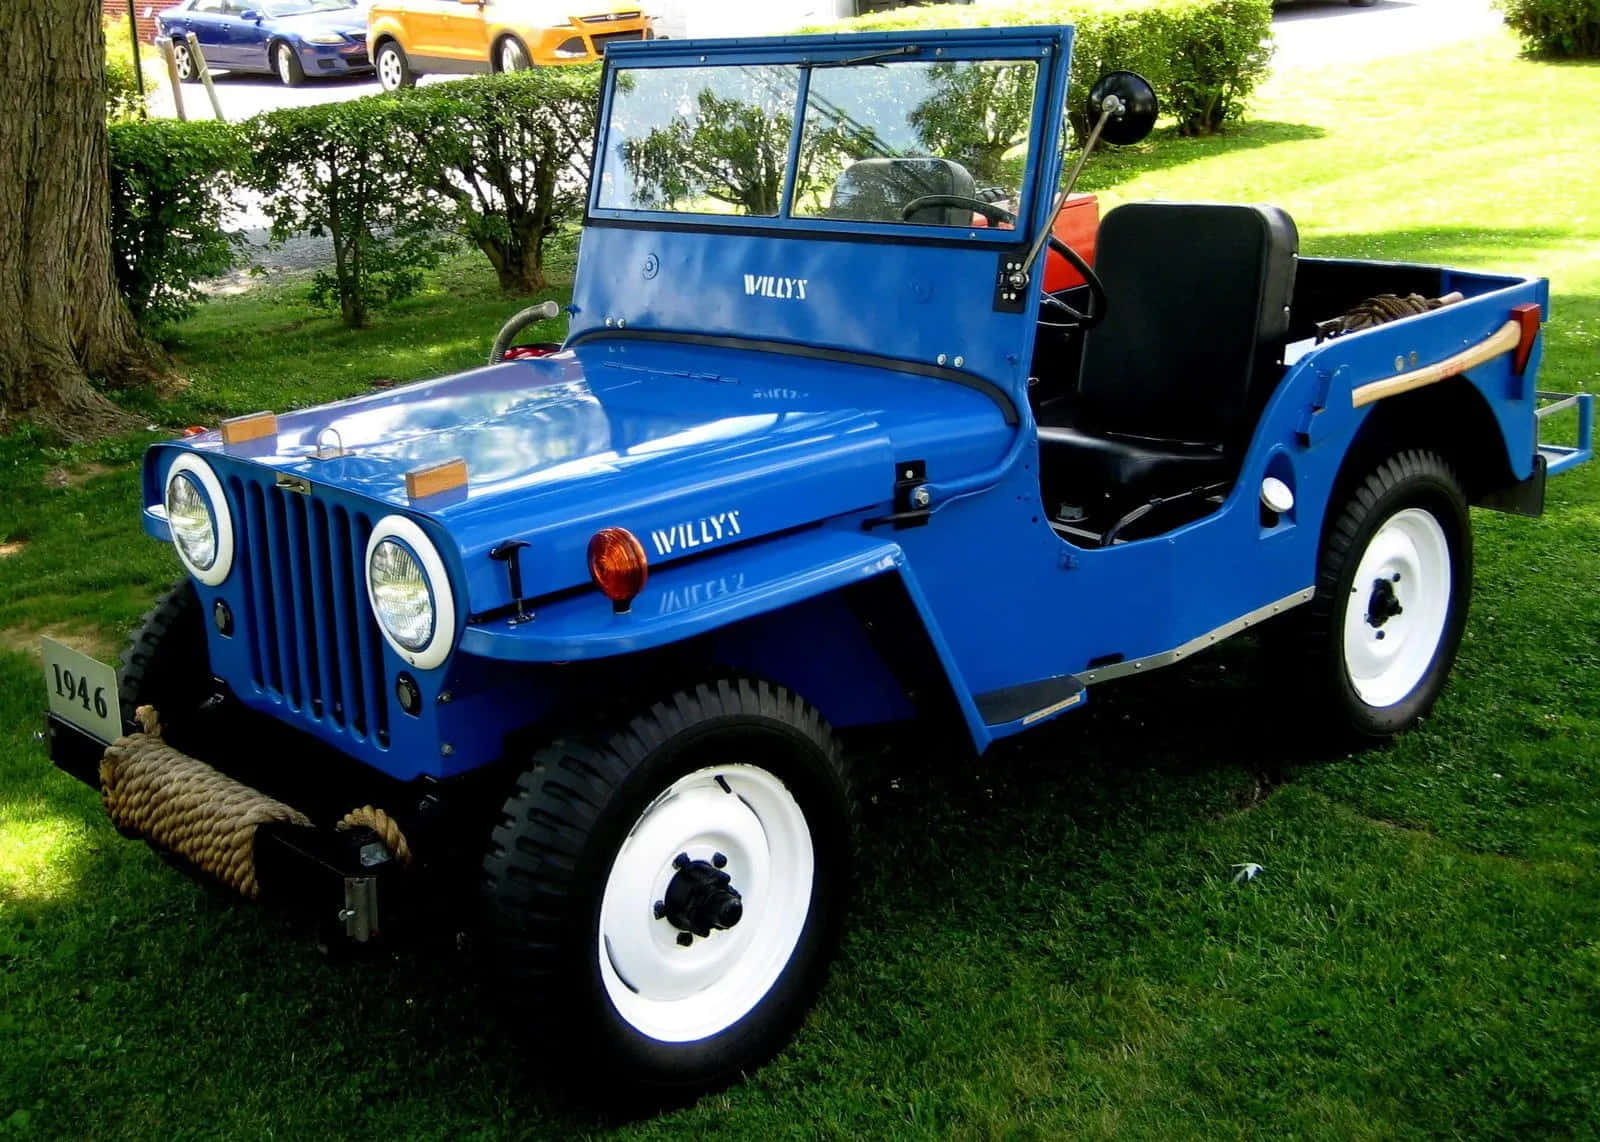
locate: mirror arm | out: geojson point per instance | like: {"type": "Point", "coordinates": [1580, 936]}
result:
{"type": "Point", "coordinates": [1110, 108]}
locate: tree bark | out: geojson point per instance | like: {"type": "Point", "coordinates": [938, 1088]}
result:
{"type": "Point", "coordinates": [61, 318]}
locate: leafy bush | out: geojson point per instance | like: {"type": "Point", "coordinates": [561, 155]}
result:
{"type": "Point", "coordinates": [347, 170]}
{"type": "Point", "coordinates": [1555, 27]}
{"type": "Point", "coordinates": [123, 100]}
{"type": "Point", "coordinates": [1204, 57]}
{"type": "Point", "coordinates": [171, 184]}
{"type": "Point", "coordinates": [507, 156]}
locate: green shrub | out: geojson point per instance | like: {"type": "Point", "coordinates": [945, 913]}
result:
{"type": "Point", "coordinates": [171, 184]}
{"type": "Point", "coordinates": [507, 156]}
{"type": "Point", "coordinates": [347, 170]}
{"type": "Point", "coordinates": [1555, 27]}
{"type": "Point", "coordinates": [123, 100]}
{"type": "Point", "coordinates": [1204, 57]}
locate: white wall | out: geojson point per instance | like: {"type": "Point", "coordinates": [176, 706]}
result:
{"type": "Point", "coordinates": [702, 18]}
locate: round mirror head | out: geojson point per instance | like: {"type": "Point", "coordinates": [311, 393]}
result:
{"type": "Point", "coordinates": [1139, 106]}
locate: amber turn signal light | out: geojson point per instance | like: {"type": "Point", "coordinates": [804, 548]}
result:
{"type": "Point", "coordinates": [618, 566]}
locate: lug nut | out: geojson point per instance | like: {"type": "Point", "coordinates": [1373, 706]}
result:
{"type": "Point", "coordinates": [681, 861]}
{"type": "Point", "coordinates": [719, 861]}
{"type": "Point", "coordinates": [685, 939]}
{"type": "Point", "coordinates": [660, 909]}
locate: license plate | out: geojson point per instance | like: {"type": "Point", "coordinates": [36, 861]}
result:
{"type": "Point", "coordinates": [82, 691]}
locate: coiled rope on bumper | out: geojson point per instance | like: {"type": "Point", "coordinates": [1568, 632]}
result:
{"type": "Point", "coordinates": [185, 806]}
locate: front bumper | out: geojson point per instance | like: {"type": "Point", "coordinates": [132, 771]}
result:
{"type": "Point", "coordinates": [342, 882]}
{"type": "Point", "coordinates": [334, 59]}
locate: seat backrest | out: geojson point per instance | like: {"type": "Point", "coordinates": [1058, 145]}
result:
{"type": "Point", "coordinates": [1196, 320]}
{"type": "Point", "coordinates": [876, 190]}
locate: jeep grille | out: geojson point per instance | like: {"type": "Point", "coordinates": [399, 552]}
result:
{"type": "Point", "coordinates": [314, 641]}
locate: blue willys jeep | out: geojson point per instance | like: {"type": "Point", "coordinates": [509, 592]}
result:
{"type": "Point", "coordinates": [554, 652]}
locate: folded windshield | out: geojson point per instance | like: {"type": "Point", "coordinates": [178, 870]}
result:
{"type": "Point", "coordinates": [879, 134]}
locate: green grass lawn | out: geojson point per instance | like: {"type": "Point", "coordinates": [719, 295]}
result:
{"type": "Point", "coordinates": [1047, 943]}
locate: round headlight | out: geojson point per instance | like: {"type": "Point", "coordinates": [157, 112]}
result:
{"type": "Point", "coordinates": [400, 594]}
{"type": "Point", "coordinates": [198, 518]}
{"type": "Point", "coordinates": [189, 516]}
{"type": "Point", "coordinates": [410, 592]}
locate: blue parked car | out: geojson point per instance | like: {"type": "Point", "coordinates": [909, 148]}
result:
{"type": "Point", "coordinates": [287, 38]}
{"type": "Point", "coordinates": [556, 653]}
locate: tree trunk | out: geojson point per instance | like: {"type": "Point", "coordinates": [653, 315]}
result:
{"type": "Point", "coordinates": [61, 318]}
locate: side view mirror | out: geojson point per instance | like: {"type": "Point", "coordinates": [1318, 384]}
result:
{"type": "Point", "coordinates": [250, 15]}
{"type": "Point", "coordinates": [1139, 106]}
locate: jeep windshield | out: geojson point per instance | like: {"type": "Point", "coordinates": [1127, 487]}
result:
{"type": "Point", "coordinates": [894, 137]}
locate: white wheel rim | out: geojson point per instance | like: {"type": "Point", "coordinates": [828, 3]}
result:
{"type": "Point", "coordinates": [389, 70]}
{"type": "Point", "coordinates": [1386, 655]}
{"type": "Point", "coordinates": [283, 64]}
{"type": "Point", "coordinates": [509, 60]}
{"type": "Point", "coordinates": [678, 994]}
{"type": "Point", "coordinates": [181, 54]}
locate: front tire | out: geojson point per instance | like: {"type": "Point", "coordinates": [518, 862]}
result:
{"type": "Point", "coordinates": [1394, 582]}
{"type": "Point", "coordinates": [671, 894]}
{"type": "Point", "coordinates": [394, 69]}
{"type": "Point", "coordinates": [513, 56]}
{"type": "Point", "coordinates": [168, 665]}
{"type": "Point", "coordinates": [287, 64]}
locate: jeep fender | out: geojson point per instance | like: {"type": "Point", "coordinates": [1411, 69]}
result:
{"type": "Point", "coordinates": [685, 601]}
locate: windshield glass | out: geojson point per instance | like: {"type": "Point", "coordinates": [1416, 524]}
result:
{"type": "Point", "coordinates": [877, 136]}
{"type": "Point", "coordinates": [300, 7]}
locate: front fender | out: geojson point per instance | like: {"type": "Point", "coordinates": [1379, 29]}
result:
{"type": "Point", "coordinates": [697, 597]}
{"type": "Point", "coordinates": [684, 600]}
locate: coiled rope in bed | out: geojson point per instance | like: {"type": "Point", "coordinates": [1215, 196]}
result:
{"type": "Point", "coordinates": [1380, 310]}
{"type": "Point", "coordinates": [185, 806]}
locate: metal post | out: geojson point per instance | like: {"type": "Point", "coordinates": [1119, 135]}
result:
{"type": "Point", "coordinates": [172, 79]}
{"type": "Point", "coordinates": [138, 60]}
{"type": "Point", "coordinates": [205, 75]}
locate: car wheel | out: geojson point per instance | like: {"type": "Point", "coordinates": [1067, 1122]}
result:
{"type": "Point", "coordinates": [287, 64]}
{"type": "Point", "coordinates": [513, 56]}
{"type": "Point", "coordinates": [669, 896]}
{"type": "Point", "coordinates": [394, 70]}
{"type": "Point", "coordinates": [167, 665]}
{"type": "Point", "coordinates": [1394, 581]}
{"type": "Point", "coordinates": [183, 59]}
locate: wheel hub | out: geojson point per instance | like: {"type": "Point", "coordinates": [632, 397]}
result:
{"type": "Point", "coordinates": [699, 898]}
{"type": "Point", "coordinates": [1384, 603]}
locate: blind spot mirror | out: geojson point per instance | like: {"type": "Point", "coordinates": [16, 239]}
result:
{"type": "Point", "coordinates": [1139, 106]}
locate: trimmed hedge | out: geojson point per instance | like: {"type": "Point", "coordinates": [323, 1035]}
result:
{"type": "Point", "coordinates": [171, 185]}
{"type": "Point", "coordinates": [507, 158]}
{"type": "Point", "coordinates": [1555, 27]}
{"type": "Point", "coordinates": [348, 171]}
{"type": "Point", "coordinates": [1204, 57]}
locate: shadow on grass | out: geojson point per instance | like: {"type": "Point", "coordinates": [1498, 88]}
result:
{"type": "Point", "coordinates": [1439, 245]}
{"type": "Point", "coordinates": [1166, 149]}
{"type": "Point", "coordinates": [126, 953]}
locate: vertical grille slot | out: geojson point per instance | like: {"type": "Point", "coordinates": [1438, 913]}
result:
{"type": "Point", "coordinates": [314, 640]}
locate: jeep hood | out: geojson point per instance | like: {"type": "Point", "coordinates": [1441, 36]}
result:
{"type": "Point", "coordinates": [691, 448]}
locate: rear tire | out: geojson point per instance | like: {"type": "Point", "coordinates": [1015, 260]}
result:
{"type": "Point", "coordinates": [1394, 582]}
{"type": "Point", "coordinates": [183, 59]}
{"type": "Point", "coordinates": [736, 779]}
{"type": "Point", "coordinates": [394, 69]}
{"type": "Point", "coordinates": [287, 64]}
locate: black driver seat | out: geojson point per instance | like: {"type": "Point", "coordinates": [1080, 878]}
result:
{"type": "Point", "coordinates": [877, 190]}
{"type": "Point", "coordinates": [1175, 376]}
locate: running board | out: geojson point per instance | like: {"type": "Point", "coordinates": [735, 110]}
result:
{"type": "Point", "coordinates": [1031, 701]}
{"type": "Point", "coordinates": [1151, 662]}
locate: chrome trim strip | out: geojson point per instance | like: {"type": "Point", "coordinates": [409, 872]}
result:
{"type": "Point", "coordinates": [1064, 704]}
{"type": "Point", "coordinates": [1210, 638]}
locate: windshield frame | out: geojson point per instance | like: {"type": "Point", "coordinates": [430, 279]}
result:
{"type": "Point", "coordinates": [1037, 45]}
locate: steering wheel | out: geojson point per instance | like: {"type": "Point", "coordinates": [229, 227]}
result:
{"type": "Point", "coordinates": [998, 214]}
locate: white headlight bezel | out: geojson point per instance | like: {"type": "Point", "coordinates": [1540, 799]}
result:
{"type": "Point", "coordinates": [221, 518]}
{"type": "Point", "coordinates": [437, 649]}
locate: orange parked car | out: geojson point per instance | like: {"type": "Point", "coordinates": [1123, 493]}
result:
{"type": "Point", "coordinates": [408, 38]}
